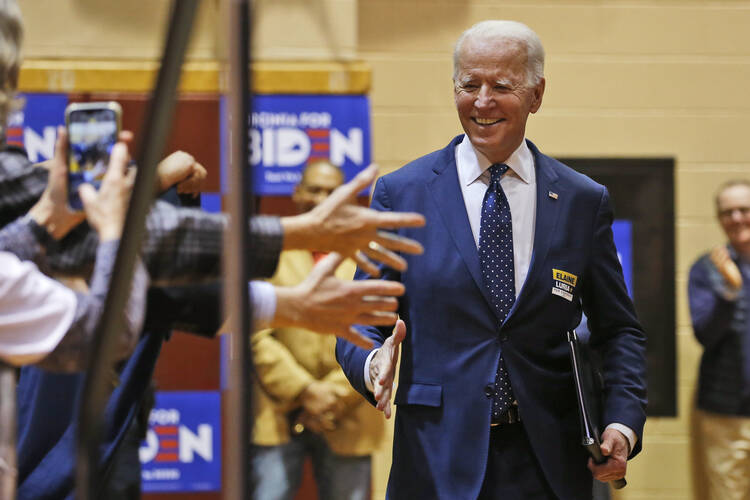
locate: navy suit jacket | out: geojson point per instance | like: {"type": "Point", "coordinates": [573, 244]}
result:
{"type": "Point", "coordinates": [454, 340]}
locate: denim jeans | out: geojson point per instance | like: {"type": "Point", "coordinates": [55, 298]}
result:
{"type": "Point", "coordinates": [276, 471]}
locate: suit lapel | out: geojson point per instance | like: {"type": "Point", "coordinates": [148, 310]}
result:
{"type": "Point", "coordinates": [547, 212]}
{"type": "Point", "coordinates": [446, 192]}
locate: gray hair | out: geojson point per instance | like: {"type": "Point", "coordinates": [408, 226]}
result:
{"type": "Point", "coordinates": [510, 30]}
{"type": "Point", "coordinates": [729, 184]}
{"type": "Point", "coordinates": [11, 35]}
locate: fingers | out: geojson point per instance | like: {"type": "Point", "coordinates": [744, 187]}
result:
{"type": "Point", "coordinates": [366, 264]}
{"type": "Point", "coordinates": [615, 447]}
{"type": "Point", "coordinates": [118, 161]}
{"type": "Point", "coordinates": [399, 243]}
{"type": "Point", "coordinates": [356, 338]}
{"type": "Point", "coordinates": [88, 195]}
{"type": "Point", "coordinates": [399, 333]}
{"type": "Point", "coordinates": [125, 136]}
{"type": "Point", "coordinates": [395, 220]}
{"type": "Point", "coordinates": [61, 147]}
{"type": "Point", "coordinates": [350, 190]}
{"type": "Point", "coordinates": [328, 265]}
{"type": "Point", "coordinates": [377, 288]}
{"type": "Point", "coordinates": [377, 319]}
{"type": "Point", "coordinates": [378, 252]}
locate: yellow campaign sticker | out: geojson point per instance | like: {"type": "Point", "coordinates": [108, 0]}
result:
{"type": "Point", "coordinates": [565, 277]}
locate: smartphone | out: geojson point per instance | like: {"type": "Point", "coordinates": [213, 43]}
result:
{"type": "Point", "coordinates": [93, 128]}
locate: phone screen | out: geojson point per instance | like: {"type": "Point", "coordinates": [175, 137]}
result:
{"type": "Point", "coordinates": [91, 135]}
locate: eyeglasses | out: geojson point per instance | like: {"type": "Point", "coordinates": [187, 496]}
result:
{"type": "Point", "coordinates": [729, 212]}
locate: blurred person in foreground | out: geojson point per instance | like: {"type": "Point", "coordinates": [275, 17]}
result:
{"type": "Point", "coordinates": [304, 406]}
{"type": "Point", "coordinates": [183, 246]}
{"type": "Point", "coordinates": [41, 320]}
{"type": "Point", "coordinates": [517, 245]}
{"type": "Point", "coordinates": [719, 294]}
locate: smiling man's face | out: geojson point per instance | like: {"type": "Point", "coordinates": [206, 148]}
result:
{"type": "Point", "coordinates": [493, 96]}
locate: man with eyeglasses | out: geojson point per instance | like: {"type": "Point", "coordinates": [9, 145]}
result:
{"type": "Point", "coordinates": [719, 292]}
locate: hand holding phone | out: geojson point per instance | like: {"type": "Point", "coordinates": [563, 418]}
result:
{"type": "Point", "coordinates": [93, 130]}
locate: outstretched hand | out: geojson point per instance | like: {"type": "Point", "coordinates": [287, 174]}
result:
{"type": "Point", "coordinates": [323, 303]}
{"type": "Point", "coordinates": [616, 448]}
{"type": "Point", "coordinates": [383, 368]}
{"type": "Point", "coordinates": [339, 225]}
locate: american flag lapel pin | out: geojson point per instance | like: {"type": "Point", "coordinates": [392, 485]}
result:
{"type": "Point", "coordinates": [552, 195]}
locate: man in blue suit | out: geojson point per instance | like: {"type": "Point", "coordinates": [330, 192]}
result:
{"type": "Point", "coordinates": [516, 246]}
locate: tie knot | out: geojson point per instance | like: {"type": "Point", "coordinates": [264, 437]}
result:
{"type": "Point", "coordinates": [497, 170]}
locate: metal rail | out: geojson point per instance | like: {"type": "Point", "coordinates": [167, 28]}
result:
{"type": "Point", "coordinates": [237, 262]}
{"type": "Point", "coordinates": [156, 127]}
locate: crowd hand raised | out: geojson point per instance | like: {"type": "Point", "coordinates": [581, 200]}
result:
{"type": "Point", "coordinates": [726, 266]}
{"type": "Point", "coordinates": [323, 303]}
{"type": "Point", "coordinates": [181, 169]}
{"type": "Point", "coordinates": [106, 208]}
{"type": "Point", "coordinates": [338, 224]}
{"type": "Point", "coordinates": [383, 368]}
{"type": "Point", "coordinates": [616, 448]}
{"type": "Point", "coordinates": [52, 211]}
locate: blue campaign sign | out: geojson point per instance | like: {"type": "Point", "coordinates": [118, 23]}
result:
{"type": "Point", "coordinates": [289, 131]}
{"type": "Point", "coordinates": [182, 449]}
{"type": "Point", "coordinates": [623, 235]}
{"type": "Point", "coordinates": [34, 126]}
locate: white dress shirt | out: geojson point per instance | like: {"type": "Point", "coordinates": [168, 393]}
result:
{"type": "Point", "coordinates": [519, 185]}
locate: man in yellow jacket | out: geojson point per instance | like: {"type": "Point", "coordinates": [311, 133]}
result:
{"type": "Point", "coordinates": [304, 405]}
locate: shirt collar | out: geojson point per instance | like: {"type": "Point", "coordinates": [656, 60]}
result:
{"type": "Point", "coordinates": [475, 164]}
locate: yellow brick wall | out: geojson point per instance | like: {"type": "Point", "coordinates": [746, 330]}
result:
{"type": "Point", "coordinates": [636, 78]}
{"type": "Point", "coordinates": [624, 78]}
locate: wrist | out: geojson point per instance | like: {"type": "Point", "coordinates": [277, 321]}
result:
{"type": "Point", "coordinates": [288, 306]}
{"type": "Point", "coordinates": [43, 215]}
{"type": "Point", "coordinates": [299, 231]}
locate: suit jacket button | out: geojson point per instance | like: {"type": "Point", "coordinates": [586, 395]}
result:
{"type": "Point", "coordinates": [503, 337]}
{"type": "Point", "coordinates": [489, 390]}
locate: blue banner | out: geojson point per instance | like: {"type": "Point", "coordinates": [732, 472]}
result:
{"type": "Point", "coordinates": [289, 131]}
{"type": "Point", "coordinates": [623, 235]}
{"type": "Point", "coordinates": [34, 126]}
{"type": "Point", "coordinates": [182, 449]}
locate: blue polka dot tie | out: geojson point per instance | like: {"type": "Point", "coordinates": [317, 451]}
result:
{"type": "Point", "coordinates": [498, 272]}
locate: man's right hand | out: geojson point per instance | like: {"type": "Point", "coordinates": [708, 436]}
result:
{"type": "Point", "coordinates": [323, 303]}
{"type": "Point", "coordinates": [726, 266]}
{"type": "Point", "coordinates": [383, 368]}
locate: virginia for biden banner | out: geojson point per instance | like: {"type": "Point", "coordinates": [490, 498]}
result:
{"type": "Point", "coordinates": [289, 131]}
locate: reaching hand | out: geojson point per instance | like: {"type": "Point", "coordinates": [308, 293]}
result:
{"type": "Point", "coordinates": [52, 211]}
{"type": "Point", "coordinates": [726, 266]}
{"type": "Point", "coordinates": [323, 303]}
{"type": "Point", "coordinates": [383, 368]}
{"type": "Point", "coordinates": [106, 208]}
{"type": "Point", "coordinates": [181, 169]}
{"type": "Point", "coordinates": [339, 225]}
{"type": "Point", "coordinates": [616, 448]}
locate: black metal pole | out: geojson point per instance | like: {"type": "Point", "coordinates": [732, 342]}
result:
{"type": "Point", "coordinates": [237, 260]}
{"type": "Point", "coordinates": [155, 130]}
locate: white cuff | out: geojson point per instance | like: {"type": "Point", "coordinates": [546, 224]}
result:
{"type": "Point", "coordinates": [627, 432]}
{"type": "Point", "coordinates": [368, 383]}
{"type": "Point", "coordinates": [263, 299]}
